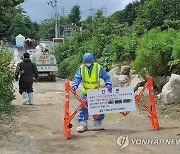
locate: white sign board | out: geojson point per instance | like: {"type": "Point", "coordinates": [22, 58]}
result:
{"type": "Point", "coordinates": [101, 101]}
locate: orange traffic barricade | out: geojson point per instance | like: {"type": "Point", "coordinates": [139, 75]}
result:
{"type": "Point", "coordinates": [151, 109]}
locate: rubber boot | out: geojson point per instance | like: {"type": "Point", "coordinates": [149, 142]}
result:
{"type": "Point", "coordinates": [25, 98]}
{"type": "Point", "coordinates": [97, 125]}
{"type": "Point", "coordinates": [83, 126]}
{"type": "Point", "coordinates": [30, 95]}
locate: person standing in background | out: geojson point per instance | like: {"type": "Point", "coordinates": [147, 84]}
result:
{"type": "Point", "coordinates": [27, 71]}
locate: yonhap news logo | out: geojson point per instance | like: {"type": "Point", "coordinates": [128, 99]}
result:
{"type": "Point", "coordinates": [123, 141]}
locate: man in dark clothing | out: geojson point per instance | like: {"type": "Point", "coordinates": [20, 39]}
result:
{"type": "Point", "coordinates": [27, 71]}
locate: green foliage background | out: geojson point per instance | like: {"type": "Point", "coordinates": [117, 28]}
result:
{"type": "Point", "coordinates": [6, 82]}
{"type": "Point", "coordinates": [11, 22]}
{"type": "Point", "coordinates": [144, 34]}
{"type": "Point", "coordinates": [157, 51]}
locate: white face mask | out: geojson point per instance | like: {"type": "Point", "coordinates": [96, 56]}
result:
{"type": "Point", "coordinates": [88, 64]}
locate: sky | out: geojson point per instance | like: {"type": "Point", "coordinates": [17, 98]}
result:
{"type": "Point", "coordinates": [39, 10]}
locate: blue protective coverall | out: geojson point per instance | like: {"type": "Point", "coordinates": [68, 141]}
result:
{"type": "Point", "coordinates": [83, 112]}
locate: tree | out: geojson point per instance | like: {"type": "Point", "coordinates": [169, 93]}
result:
{"type": "Point", "coordinates": [46, 30]}
{"type": "Point", "coordinates": [31, 27]}
{"type": "Point", "coordinates": [11, 24]}
{"type": "Point", "coordinates": [153, 13]}
{"type": "Point", "coordinates": [74, 16]}
{"type": "Point", "coordinates": [99, 13]}
{"type": "Point", "coordinates": [36, 28]}
{"type": "Point", "coordinates": [128, 14]}
{"type": "Point", "coordinates": [18, 26]}
{"type": "Point", "coordinates": [6, 4]}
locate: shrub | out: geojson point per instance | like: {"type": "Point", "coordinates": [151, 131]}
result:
{"type": "Point", "coordinates": [6, 82]}
{"type": "Point", "coordinates": [68, 67]}
{"type": "Point", "coordinates": [155, 50]}
{"type": "Point", "coordinates": [120, 49]}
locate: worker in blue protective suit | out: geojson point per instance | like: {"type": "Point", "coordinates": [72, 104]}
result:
{"type": "Point", "coordinates": [89, 73]}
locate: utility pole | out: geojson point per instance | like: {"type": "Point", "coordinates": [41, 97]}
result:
{"type": "Point", "coordinates": [56, 18]}
{"type": "Point", "coordinates": [53, 4]}
{"type": "Point", "coordinates": [59, 25]}
{"type": "Point", "coordinates": [63, 10]}
{"type": "Point", "coordinates": [91, 10]}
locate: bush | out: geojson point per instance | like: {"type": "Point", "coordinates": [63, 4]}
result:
{"type": "Point", "coordinates": [6, 82]}
{"type": "Point", "coordinates": [120, 49]}
{"type": "Point", "coordinates": [68, 67]}
{"type": "Point", "coordinates": [171, 24]}
{"type": "Point", "coordinates": [63, 70]}
{"type": "Point", "coordinates": [155, 51]}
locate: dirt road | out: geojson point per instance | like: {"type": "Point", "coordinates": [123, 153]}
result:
{"type": "Point", "coordinates": [38, 129]}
